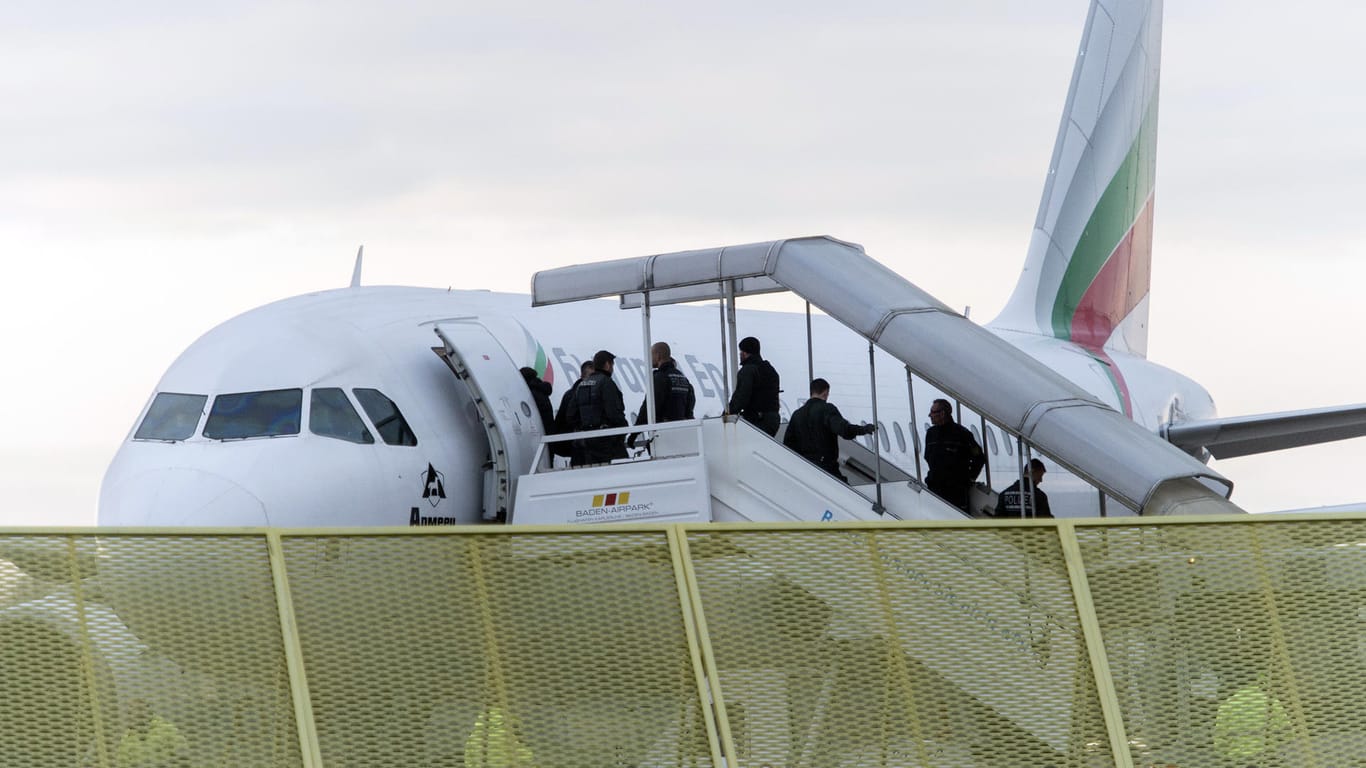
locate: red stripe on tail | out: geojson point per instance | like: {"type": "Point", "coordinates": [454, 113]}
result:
{"type": "Point", "coordinates": [1119, 287]}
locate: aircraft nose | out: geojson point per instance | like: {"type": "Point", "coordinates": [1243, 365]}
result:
{"type": "Point", "coordinates": [180, 497]}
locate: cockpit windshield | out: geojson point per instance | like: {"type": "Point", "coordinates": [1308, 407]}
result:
{"type": "Point", "coordinates": [393, 428]}
{"type": "Point", "coordinates": [330, 415]}
{"type": "Point", "coordinates": [172, 417]}
{"type": "Point", "coordinates": [255, 414]}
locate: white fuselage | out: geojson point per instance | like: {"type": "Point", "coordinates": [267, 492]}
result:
{"type": "Point", "coordinates": [382, 338]}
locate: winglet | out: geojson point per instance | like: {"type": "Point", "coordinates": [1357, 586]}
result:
{"type": "Point", "coordinates": [355, 273]}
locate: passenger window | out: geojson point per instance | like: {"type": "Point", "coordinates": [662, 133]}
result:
{"type": "Point", "coordinates": [393, 428]}
{"type": "Point", "coordinates": [171, 417]}
{"type": "Point", "coordinates": [255, 414]}
{"type": "Point", "coordinates": [991, 438]}
{"type": "Point", "coordinates": [900, 437]}
{"type": "Point", "coordinates": [330, 415]}
{"type": "Point", "coordinates": [882, 435]}
{"type": "Point", "coordinates": [1010, 445]}
{"type": "Point", "coordinates": [976, 435]}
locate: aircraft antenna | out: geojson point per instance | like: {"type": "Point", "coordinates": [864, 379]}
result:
{"type": "Point", "coordinates": [355, 273]}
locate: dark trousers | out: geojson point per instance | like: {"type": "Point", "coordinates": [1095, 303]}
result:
{"type": "Point", "coordinates": [768, 422]}
{"type": "Point", "coordinates": [954, 494]}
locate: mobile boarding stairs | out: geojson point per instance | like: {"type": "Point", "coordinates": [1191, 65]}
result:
{"type": "Point", "coordinates": [725, 469]}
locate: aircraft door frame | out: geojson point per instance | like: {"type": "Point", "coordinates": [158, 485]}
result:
{"type": "Point", "coordinates": [511, 423]}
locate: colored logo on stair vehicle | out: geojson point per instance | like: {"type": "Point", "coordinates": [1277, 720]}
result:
{"type": "Point", "coordinates": [612, 499]}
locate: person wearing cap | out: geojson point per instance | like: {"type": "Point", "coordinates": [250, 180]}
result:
{"type": "Point", "coordinates": [756, 389]}
{"type": "Point", "coordinates": [600, 406]}
{"type": "Point", "coordinates": [815, 428]}
{"type": "Point", "coordinates": [1014, 503]}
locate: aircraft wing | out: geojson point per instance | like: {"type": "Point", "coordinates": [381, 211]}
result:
{"type": "Point", "coordinates": [1260, 433]}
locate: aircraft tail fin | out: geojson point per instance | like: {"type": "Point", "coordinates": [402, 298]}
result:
{"type": "Point", "coordinates": [1086, 275]}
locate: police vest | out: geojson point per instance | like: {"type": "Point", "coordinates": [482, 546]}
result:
{"type": "Point", "coordinates": [592, 413]}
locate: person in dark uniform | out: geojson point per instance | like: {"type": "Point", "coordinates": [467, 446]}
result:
{"type": "Point", "coordinates": [756, 389]}
{"type": "Point", "coordinates": [540, 392]}
{"type": "Point", "coordinates": [674, 396]}
{"type": "Point", "coordinates": [953, 454]}
{"type": "Point", "coordinates": [1013, 503]}
{"type": "Point", "coordinates": [567, 417]}
{"type": "Point", "coordinates": [600, 406]}
{"type": "Point", "coordinates": [815, 428]}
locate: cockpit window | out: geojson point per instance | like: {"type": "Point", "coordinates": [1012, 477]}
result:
{"type": "Point", "coordinates": [393, 428]}
{"type": "Point", "coordinates": [330, 414]}
{"type": "Point", "coordinates": [255, 414]}
{"type": "Point", "coordinates": [171, 417]}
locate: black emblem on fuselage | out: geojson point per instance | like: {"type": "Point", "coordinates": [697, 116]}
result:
{"type": "Point", "coordinates": [433, 485]}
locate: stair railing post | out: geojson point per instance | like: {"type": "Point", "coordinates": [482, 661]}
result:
{"type": "Point", "coordinates": [725, 354]}
{"type": "Point", "coordinates": [650, 393]}
{"type": "Point", "coordinates": [810, 356]}
{"type": "Point", "coordinates": [877, 442]}
{"type": "Point", "coordinates": [915, 431]}
{"type": "Point", "coordinates": [986, 453]}
{"type": "Point", "coordinates": [734, 339]}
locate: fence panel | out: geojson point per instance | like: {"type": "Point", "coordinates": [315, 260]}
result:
{"type": "Point", "coordinates": [898, 646]}
{"type": "Point", "coordinates": [1235, 643]}
{"type": "Point", "coordinates": [497, 648]}
{"type": "Point", "coordinates": [123, 649]}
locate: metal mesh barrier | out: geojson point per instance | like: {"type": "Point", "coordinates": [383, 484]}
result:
{"type": "Point", "coordinates": [1235, 644]}
{"type": "Point", "coordinates": [497, 650]}
{"type": "Point", "coordinates": [1193, 643]}
{"type": "Point", "coordinates": [141, 650]}
{"type": "Point", "coordinates": [901, 647]}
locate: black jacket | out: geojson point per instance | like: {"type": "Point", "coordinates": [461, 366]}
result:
{"type": "Point", "coordinates": [600, 406]}
{"type": "Point", "coordinates": [814, 431]}
{"type": "Point", "coordinates": [674, 396]}
{"type": "Point", "coordinates": [540, 392]}
{"type": "Point", "coordinates": [756, 394]}
{"type": "Point", "coordinates": [566, 421]}
{"type": "Point", "coordinates": [954, 456]}
{"type": "Point", "coordinates": [567, 417]}
{"type": "Point", "coordinates": [1010, 502]}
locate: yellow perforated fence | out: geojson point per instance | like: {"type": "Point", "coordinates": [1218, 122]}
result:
{"type": "Point", "coordinates": [1196, 642]}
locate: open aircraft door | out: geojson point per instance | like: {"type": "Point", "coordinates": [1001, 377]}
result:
{"type": "Point", "coordinates": [504, 407]}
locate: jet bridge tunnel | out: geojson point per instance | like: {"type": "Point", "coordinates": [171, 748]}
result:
{"type": "Point", "coordinates": [1035, 405]}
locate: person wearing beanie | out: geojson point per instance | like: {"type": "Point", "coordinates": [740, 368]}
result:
{"type": "Point", "coordinates": [756, 389]}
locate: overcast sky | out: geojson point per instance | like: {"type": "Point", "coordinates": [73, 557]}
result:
{"type": "Point", "coordinates": [167, 165]}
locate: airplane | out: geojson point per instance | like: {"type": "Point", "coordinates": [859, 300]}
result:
{"type": "Point", "coordinates": [332, 409]}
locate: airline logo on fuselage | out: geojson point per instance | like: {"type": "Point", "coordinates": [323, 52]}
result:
{"type": "Point", "coordinates": [433, 485]}
{"type": "Point", "coordinates": [433, 490]}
